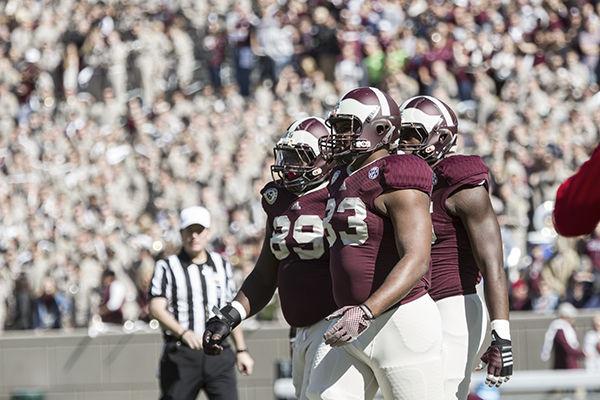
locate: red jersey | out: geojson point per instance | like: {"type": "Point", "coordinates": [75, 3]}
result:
{"type": "Point", "coordinates": [577, 207]}
{"type": "Point", "coordinates": [364, 249]}
{"type": "Point", "coordinates": [453, 267]}
{"type": "Point", "coordinates": [298, 242]}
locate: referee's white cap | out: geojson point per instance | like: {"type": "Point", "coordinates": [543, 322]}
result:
{"type": "Point", "coordinates": [194, 215]}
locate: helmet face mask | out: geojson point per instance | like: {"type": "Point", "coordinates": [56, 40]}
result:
{"type": "Point", "coordinates": [295, 166]}
{"type": "Point", "coordinates": [364, 120]}
{"type": "Point", "coordinates": [298, 165]}
{"type": "Point", "coordinates": [429, 128]}
{"type": "Point", "coordinates": [341, 141]}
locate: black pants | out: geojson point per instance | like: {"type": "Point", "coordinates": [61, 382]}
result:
{"type": "Point", "coordinates": [184, 372]}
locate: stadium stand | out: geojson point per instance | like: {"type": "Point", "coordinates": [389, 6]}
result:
{"type": "Point", "coordinates": [114, 115]}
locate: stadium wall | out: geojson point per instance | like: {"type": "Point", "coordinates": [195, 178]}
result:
{"type": "Point", "coordinates": [73, 366]}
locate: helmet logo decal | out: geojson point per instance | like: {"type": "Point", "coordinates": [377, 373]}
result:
{"type": "Point", "coordinates": [416, 116]}
{"type": "Point", "coordinates": [373, 173]}
{"type": "Point", "coordinates": [356, 108]}
{"type": "Point", "coordinates": [270, 195]}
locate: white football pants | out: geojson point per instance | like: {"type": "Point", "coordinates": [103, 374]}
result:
{"type": "Point", "coordinates": [314, 362]}
{"type": "Point", "coordinates": [402, 349]}
{"type": "Point", "coordinates": [464, 323]}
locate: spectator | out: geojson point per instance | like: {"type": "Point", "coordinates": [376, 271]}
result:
{"type": "Point", "coordinates": [519, 299]}
{"type": "Point", "coordinates": [547, 301]}
{"type": "Point", "coordinates": [47, 307]}
{"type": "Point", "coordinates": [591, 346]}
{"type": "Point", "coordinates": [110, 113]}
{"type": "Point", "coordinates": [561, 341]}
{"type": "Point", "coordinates": [23, 305]}
{"type": "Point", "coordinates": [113, 298]}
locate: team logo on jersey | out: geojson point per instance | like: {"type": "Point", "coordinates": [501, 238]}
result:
{"type": "Point", "coordinates": [270, 195]}
{"type": "Point", "coordinates": [343, 186]}
{"type": "Point", "coordinates": [296, 206]}
{"type": "Point", "coordinates": [373, 172]}
{"type": "Point", "coordinates": [336, 175]}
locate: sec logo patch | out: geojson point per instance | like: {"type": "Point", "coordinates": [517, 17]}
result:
{"type": "Point", "coordinates": [373, 172]}
{"type": "Point", "coordinates": [270, 195]}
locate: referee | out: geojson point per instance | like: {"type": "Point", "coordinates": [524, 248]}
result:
{"type": "Point", "coordinates": [185, 288]}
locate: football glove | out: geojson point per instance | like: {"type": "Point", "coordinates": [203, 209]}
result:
{"type": "Point", "coordinates": [353, 320]}
{"type": "Point", "coordinates": [218, 328]}
{"type": "Point", "coordinates": [499, 360]}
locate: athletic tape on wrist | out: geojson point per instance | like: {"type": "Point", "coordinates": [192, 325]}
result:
{"type": "Point", "coordinates": [229, 315]}
{"type": "Point", "coordinates": [240, 308]}
{"type": "Point", "coordinates": [502, 328]}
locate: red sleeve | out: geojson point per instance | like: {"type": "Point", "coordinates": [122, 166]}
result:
{"type": "Point", "coordinates": [577, 207]}
{"type": "Point", "coordinates": [560, 340]}
{"type": "Point", "coordinates": [406, 171]}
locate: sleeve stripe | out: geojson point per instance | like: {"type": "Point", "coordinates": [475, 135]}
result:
{"type": "Point", "coordinates": [159, 280]}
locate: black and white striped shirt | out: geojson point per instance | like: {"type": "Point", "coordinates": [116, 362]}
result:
{"type": "Point", "coordinates": [193, 290]}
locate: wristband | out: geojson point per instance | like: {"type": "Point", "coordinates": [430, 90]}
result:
{"type": "Point", "coordinates": [240, 308]}
{"type": "Point", "coordinates": [367, 311]}
{"type": "Point", "coordinates": [502, 328]}
{"type": "Point", "coordinates": [229, 315]}
{"type": "Point", "coordinates": [241, 351]}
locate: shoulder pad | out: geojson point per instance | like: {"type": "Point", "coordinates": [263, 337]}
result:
{"type": "Point", "coordinates": [462, 169]}
{"type": "Point", "coordinates": [407, 171]}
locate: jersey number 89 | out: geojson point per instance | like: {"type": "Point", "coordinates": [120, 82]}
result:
{"type": "Point", "coordinates": [307, 232]}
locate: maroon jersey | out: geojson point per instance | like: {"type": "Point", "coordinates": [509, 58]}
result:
{"type": "Point", "coordinates": [298, 242]}
{"type": "Point", "coordinates": [453, 267]}
{"type": "Point", "coordinates": [364, 248]}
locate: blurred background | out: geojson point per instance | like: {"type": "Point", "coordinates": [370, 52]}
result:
{"type": "Point", "coordinates": [114, 115]}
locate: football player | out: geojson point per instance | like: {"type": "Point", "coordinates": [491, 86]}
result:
{"type": "Point", "coordinates": [379, 228]}
{"type": "Point", "coordinates": [294, 256]}
{"type": "Point", "coordinates": [467, 243]}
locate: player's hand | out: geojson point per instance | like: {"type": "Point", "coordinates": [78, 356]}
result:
{"type": "Point", "coordinates": [499, 360]}
{"type": "Point", "coordinates": [245, 363]}
{"type": "Point", "coordinates": [191, 340]}
{"type": "Point", "coordinates": [215, 333]}
{"type": "Point", "coordinates": [353, 320]}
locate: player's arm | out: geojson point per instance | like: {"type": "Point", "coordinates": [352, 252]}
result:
{"type": "Point", "coordinates": [577, 206]}
{"type": "Point", "coordinates": [409, 212]}
{"type": "Point", "coordinates": [255, 293]}
{"type": "Point", "coordinates": [474, 208]}
{"type": "Point", "coordinates": [259, 287]}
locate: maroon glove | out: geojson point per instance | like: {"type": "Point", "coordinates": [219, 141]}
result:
{"type": "Point", "coordinates": [499, 360]}
{"type": "Point", "coordinates": [353, 320]}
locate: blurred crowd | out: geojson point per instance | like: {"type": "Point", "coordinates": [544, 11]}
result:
{"type": "Point", "coordinates": [114, 115]}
